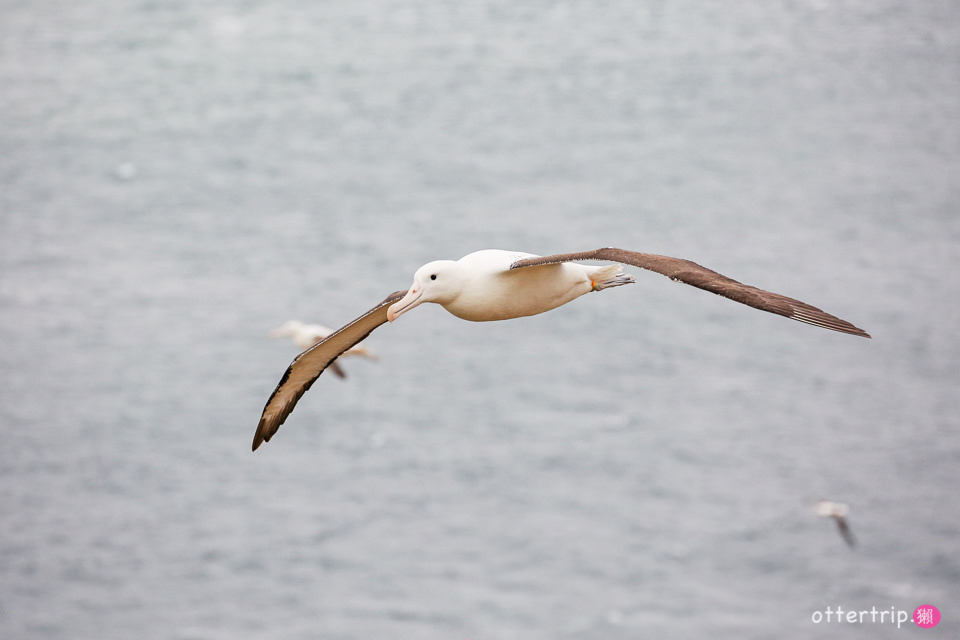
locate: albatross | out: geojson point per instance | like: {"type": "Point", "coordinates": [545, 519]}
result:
{"type": "Point", "coordinates": [839, 512]}
{"type": "Point", "coordinates": [306, 335]}
{"type": "Point", "coordinates": [494, 284]}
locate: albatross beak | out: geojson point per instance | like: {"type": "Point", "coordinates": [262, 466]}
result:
{"type": "Point", "coordinates": [405, 303]}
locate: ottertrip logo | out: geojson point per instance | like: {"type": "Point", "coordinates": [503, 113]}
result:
{"type": "Point", "coordinates": [924, 616]}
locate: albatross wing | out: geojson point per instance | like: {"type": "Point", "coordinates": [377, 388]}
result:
{"type": "Point", "coordinates": [693, 274]}
{"type": "Point", "coordinates": [308, 366]}
{"type": "Point", "coordinates": [845, 532]}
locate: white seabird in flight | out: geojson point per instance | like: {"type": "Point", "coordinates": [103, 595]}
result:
{"type": "Point", "coordinates": [839, 512]}
{"type": "Point", "coordinates": [307, 335]}
{"type": "Point", "coordinates": [493, 284]}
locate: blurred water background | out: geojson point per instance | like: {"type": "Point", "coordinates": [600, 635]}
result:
{"type": "Point", "coordinates": [178, 178]}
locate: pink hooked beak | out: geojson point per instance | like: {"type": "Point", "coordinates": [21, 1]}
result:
{"type": "Point", "coordinates": [407, 302]}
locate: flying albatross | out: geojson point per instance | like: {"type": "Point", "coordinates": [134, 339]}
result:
{"type": "Point", "coordinates": [306, 335]}
{"type": "Point", "coordinates": [498, 285]}
{"type": "Point", "coordinates": [839, 512]}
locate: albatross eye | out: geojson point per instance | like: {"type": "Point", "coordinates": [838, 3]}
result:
{"type": "Point", "coordinates": [433, 276]}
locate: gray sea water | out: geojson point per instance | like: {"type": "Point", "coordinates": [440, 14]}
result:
{"type": "Point", "coordinates": [179, 178]}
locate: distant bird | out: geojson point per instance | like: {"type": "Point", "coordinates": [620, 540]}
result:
{"type": "Point", "coordinates": [499, 285]}
{"type": "Point", "coordinates": [839, 512]}
{"type": "Point", "coordinates": [307, 335]}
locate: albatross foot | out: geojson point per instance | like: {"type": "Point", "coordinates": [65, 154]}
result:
{"type": "Point", "coordinates": [610, 277]}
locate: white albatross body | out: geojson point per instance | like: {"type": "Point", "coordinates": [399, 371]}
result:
{"type": "Point", "coordinates": [481, 287]}
{"type": "Point", "coordinates": [306, 335]}
{"type": "Point", "coordinates": [303, 335]}
{"type": "Point", "coordinates": [493, 284]}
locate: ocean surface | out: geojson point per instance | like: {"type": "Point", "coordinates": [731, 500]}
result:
{"type": "Point", "coordinates": [178, 178]}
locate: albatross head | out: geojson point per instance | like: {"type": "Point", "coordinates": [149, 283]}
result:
{"type": "Point", "coordinates": [439, 281]}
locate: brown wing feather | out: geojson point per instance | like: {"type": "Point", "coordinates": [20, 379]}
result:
{"type": "Point", "coordinates": [698, 276]}
{"type": "Point", "coordinates": [845, 532]}
{"type": "Point", "coordinates": [308, 366]}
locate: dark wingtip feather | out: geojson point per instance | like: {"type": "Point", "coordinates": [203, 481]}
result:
{"type": "Point", "coordinates": [258, 436]}
{"type": "Point", "coordinates": [824, 320]}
